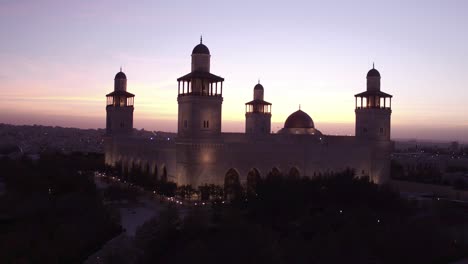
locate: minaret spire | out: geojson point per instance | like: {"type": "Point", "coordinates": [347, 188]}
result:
{"type": "Point", "coordinates": [201, 39]}
{"type": "Point", "coordinates": [373, 65]}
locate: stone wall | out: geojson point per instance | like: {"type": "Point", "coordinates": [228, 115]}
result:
{"type": "Point", "coordinates": [206, 161]}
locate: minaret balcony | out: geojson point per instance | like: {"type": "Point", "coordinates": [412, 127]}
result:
{"type": "Point", "coordinates": [373, 100]}
{"type": "Point", "coordinates": [120, 99]}
{"type": "Point", "coordinates": [200, 84]}
{"type": "Point", "coordinates": [258, 106]}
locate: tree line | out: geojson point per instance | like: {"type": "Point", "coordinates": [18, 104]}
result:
{"type": "Point", "coordinates": [51, 211]}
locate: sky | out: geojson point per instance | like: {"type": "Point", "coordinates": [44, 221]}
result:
{"type": "Point", "coordinates": [58, 60]}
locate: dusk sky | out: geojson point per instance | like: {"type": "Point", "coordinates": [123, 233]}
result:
{"type": "Point", "coordinates": [58, 60]}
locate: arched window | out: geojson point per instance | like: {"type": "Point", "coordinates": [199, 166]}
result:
{"type": "Point", "coordinates": [232, 186]}
{"type": "Point", "coordinates": [294, 173]}
{"type": "Point", "coordinates": [253, 179]}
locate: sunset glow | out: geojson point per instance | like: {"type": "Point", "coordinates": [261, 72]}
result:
{"type": "Point", "coordinates": [59, 59]}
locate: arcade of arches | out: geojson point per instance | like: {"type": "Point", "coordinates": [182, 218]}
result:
{"type": "Point", "coordinates": [232, 179]}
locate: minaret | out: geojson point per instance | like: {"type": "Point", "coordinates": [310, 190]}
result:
{"type": "Point", "coordinates": [199, 144]}
{"type": "Point", "coordinates": [200, 98]}
{"type": "Point", "coordinates": [373, 110]}
{"type": "Point", "coordinates": [119, 120]}
{"type": "Point", "coordinates": [201, 58]}
{"type": "Point", "coordinates": [258, 113]}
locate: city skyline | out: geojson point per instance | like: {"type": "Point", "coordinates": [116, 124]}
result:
{"type": "Point", "coordinates": [303, 53]}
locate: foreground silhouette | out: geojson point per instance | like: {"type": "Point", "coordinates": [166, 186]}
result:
{"type": "Point", "coordinates": [339, 219]}
{"type": "Point", "coordinates": [51, 212]}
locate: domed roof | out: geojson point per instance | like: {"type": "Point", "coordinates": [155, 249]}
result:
{"type": "Point", "coordinates": [373, 73]}
{"type": "Point", "coordinates": [258, 87]}
{"type": "Point", "coordinates": [299, 119]}
{"type": "Point", "coordinates": [120, 75]}
{"type": "Point", "coordinates": [201, 49]}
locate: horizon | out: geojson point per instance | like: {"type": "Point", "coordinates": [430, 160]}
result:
{"type": "Point", "coordinates": [396, 139]}
{"type": "Point", "coordinates": [60, 76]}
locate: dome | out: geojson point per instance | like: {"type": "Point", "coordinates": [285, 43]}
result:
{"type": "Point", "coordinates": [258, 87]}
{"type": "Point", "coordinates": [201, 49]}
{"type": "Point", "coordinates": [120, 75]}
{"type": "Point", "coordinates": [373, 73]}
{"type": "Point", "coordinates": [299, 119]}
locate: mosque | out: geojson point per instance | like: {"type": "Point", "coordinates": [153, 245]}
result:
{"type": "Point", "coordinates": [202, 154]}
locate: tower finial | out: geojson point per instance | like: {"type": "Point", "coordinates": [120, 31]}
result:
{"type": "Point", "coordinates": [299, 106]}
{"type": "Point", "coordinates": [201, 39]}
{"type": "Point", "coordinates": [373, 65]}
{"type": "Point", "coordinates": [120, 68]}
{"type": "Point", "coordinates": [258, 80]}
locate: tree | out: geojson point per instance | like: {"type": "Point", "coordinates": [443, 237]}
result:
{"type": "Point", "coordinates": [204, 192]}
{"type": "Point", "coordinates": [157, 237]}
{"type": "Point", "coordinates": [185, 191]}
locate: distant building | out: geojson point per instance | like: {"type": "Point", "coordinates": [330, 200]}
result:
{"type": "Point", "coordinates": [202, 154]}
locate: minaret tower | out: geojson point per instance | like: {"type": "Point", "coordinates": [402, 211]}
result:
{"type": "Point", "coordinates": [199, 141]}
{"type": "Point", "coordinates": [200, 98]}
{"type": "Point", "coordinates": [119, 120]}
{"type": "Point", "coordinates": [258, 113]}
{"type": "Point", "coordinates": [373, 110]}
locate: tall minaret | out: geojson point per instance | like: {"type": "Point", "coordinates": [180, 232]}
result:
{"type": "Point", "coordinates": [199, 141]}
{"type": "Point", "coordinates": [258, 113]}
{"type": "Point", "coordinates": [200, 98]}
{"type": "Point", "coordinates": [119, 120]}
{"type": "Point", "coordinates": [373, 110]}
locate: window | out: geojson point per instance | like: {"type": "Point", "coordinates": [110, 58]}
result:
{"type": "Point", "coordinates": [381, 130]}
{"type": "Point", "coordinates": [185, 123]}
{"type": "Point", "coordinates": [122, 124]}
{"type": "Point", "coordinates": [206, 124]}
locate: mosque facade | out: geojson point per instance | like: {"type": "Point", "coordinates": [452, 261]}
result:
{"type": "Point", "coordinates": [202, 154]}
